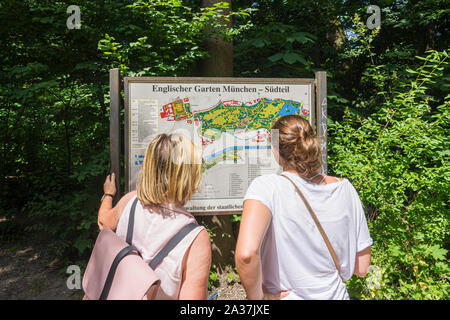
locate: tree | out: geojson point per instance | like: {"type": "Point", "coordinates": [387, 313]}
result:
{"type": "Point", "coordinates": [54, 115]}
{"type": "Point", "coordinates": [219, 64]}
{"type": "Point", "coordinates": [220, 60]}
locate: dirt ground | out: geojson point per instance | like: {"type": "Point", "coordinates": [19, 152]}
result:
{"type": "Point", "coordinates": [28, 272]}
{"type": "Point", "coordinates": [228, 287]}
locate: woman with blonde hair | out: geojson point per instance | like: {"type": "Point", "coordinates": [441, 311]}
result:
{"type": "Point", "coordinates": [281, 251]}
{"type": "Point", "coordinates": [170, 175]}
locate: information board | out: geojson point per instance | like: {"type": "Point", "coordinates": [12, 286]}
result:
{"type": "Point", "coordinates": [229, 118]}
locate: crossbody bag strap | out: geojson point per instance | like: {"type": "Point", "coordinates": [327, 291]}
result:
{"type": "Point", "coordinates": [172, 243]}
{"type": "Point", "coordinates": [319, 226]}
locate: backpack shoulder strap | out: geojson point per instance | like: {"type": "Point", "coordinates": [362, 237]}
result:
{"type": "Point", "coordinates": [129, 238]}
{"type": "Point", "coordinates": [172, 243]}
{"type": "Point", "coordinates": [112, 271]}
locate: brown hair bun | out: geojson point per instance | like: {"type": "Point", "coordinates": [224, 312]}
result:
{"type": "Point", "coordinates": [298, 146]}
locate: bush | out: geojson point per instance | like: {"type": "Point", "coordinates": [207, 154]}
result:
{"type": "Point", "coordinates": [65, 210]}
{"type": "Point", "coordinates": [397, 158]}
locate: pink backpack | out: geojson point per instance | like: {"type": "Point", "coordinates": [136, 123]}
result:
{"type": "Point", "coordinates": [116, 270]}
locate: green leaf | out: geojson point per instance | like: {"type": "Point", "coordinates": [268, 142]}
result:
{"type": "Point", "coordinates": [276, 57]}
{"type": "Point", "coordinates": [259, 43]}
{"type": "Point", "coordinates": [301, 37]}
{"type": "Point", "coordinates": [292, 57]}
{"type": "Point", "coordinates": [438, 253]}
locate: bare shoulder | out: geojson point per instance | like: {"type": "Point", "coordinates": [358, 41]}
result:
{"type": "Point", "coordinates": [199, 253]}
{"type": "Point", "coordinates": [128, 196]}
{"type": "Point", "coordinates": [120, 206]}
{"type": "Point", "coordinates": [202, 242]}
{"type": "Point", "coordinates": [196, 266]}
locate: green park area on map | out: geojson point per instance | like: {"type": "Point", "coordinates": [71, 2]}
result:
{"type": "Point", "coordinates": [233, 116]}
{"type": "Point", "coordinates": [261, 115]}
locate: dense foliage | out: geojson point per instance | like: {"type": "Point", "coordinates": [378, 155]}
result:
{"type": "Point", "coordinates": [54, 96]}
{"type": "Point", "coordinates": [387, 104]}
{"type": "Point", "coordinates": [398, 160]}
{"type": "Point", "coordinates": [388, 122]}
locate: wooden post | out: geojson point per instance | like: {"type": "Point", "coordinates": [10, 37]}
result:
{"type": "Point", "coordinates": [114, 128]}
{"type": "Point", "coordinates": [126, 137]}
{"type": "Point", "coordinates": [321, 114]}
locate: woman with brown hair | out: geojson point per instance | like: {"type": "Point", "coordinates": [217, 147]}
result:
{"type": "Point", "coordinates": [281, 252]}
{"type": "Point", "coordinates": [170, 175]}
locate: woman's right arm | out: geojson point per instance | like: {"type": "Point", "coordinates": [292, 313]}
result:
{"type": "Point", "coordinates": [254, 223]}
{"type": "Point", "coordinates": [362, 262]}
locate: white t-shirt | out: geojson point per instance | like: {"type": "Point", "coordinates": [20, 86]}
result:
{"type": "Point", "coordinates": [294, 256]}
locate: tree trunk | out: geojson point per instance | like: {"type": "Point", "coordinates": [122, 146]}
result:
{"type": "Point", "coordinates": [219, 64]}
{"type": "Point", "coordinates": [430, 36]}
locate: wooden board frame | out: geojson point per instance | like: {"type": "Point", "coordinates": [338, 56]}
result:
{"type": "Point", "coordinates": [321, 118]}
{"type": "Point", "coordinates": [317, 113]}
{"type": "Point", "coordinates": [114, 128]}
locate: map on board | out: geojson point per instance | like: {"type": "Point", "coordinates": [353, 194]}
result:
{"type": "Point", "coordinates": [230, 122]}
